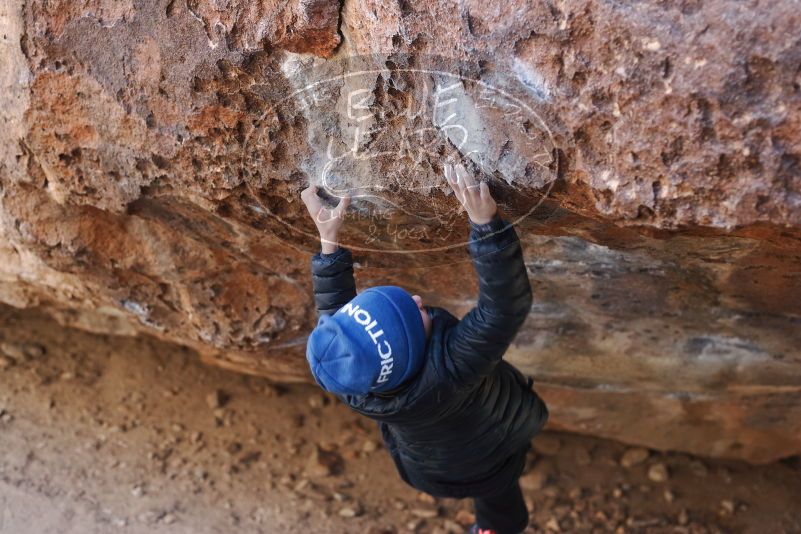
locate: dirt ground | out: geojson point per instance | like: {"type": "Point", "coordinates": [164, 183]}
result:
{"type": "Point", "coordinates": [103, 434]}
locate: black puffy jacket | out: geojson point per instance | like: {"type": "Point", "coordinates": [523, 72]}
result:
{"type": "Point", "coordinates": [461, 427]}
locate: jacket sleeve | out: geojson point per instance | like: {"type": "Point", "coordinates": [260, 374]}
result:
{"type": "Point", "coordinates": [478, 342]}
{"type": "Point", "coordinates": [332, 278]}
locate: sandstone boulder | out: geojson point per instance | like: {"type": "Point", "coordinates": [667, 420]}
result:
{"type": "Point", "coordinates": [649, 153]}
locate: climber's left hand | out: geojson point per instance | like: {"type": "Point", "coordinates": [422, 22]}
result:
{"type": "Point", "coordinates": [327, 220]}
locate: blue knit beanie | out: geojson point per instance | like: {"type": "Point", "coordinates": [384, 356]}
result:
{"type": "Point", "coordinates": [372, 344]}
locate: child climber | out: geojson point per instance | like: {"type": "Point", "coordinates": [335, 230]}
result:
{"type": "Point", "coordinates": [455, 417]}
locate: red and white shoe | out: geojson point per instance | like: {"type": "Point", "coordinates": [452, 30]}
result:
{"type": "Point", "coordinates": [475, 530]}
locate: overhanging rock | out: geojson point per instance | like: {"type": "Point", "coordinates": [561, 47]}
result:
{"type": "Point", "coordinates": [153, 152]}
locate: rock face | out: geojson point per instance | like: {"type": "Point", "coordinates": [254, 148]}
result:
{"type": "Point", "coordinates": [649, 153]}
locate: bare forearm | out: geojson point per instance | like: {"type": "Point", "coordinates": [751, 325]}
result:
{"type": "Point", "coordinates": [328, 245]}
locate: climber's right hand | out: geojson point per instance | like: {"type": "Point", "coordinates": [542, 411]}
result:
{"type": "Point", "coordinates": [475, 198]}
{"type": "Point", "coordinates": [327, 220]}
